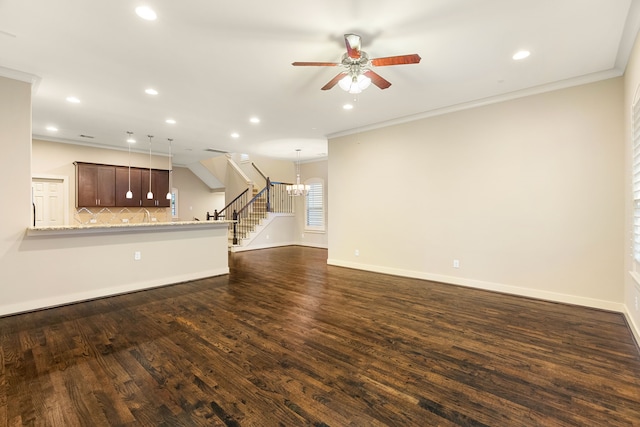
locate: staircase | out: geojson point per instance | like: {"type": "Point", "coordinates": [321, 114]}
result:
{"type": "Point", "coordinates": [249, 214]}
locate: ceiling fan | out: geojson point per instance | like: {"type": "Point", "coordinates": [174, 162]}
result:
{"type": "Point", "coordinates": [357, 75]}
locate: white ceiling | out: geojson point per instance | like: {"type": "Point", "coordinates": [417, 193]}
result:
{"type": "Point", "coordinates": [216, 64]}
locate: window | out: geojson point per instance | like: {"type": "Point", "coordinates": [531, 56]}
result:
{"type": "Point", "coordinates": [636, 176]}
{"type": "Point", "coordinates": [174, 202]}
{"type": "Point", "coordinates": [314, 206]}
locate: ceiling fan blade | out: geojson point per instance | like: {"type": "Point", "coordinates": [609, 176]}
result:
{"type": "Point", "coordinates": [314, 64]}
{"type": "Point", "coordinates": [396, 60]}
{"type": "Point", "coordinates": [334, 81]}
{"type": "Point", "coordinates": [377, 80]}
{"type": "Point", "coordinates": [353, 45]}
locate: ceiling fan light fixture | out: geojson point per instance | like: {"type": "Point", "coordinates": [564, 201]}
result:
{"type": "Point", "coordinates": [354, 84]}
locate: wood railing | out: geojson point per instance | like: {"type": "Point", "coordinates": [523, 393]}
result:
{"type": "Point", "coordinates": [247, 214]}
{"type": "Point", "coordinates": [279, 200]}
{"type": "Point", "coordinates": [233, 206]}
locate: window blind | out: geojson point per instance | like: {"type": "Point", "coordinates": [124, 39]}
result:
{"type": "Point", "coordinates": [315, 206]}
{"type": "Point", "coordinates": [636, 178]}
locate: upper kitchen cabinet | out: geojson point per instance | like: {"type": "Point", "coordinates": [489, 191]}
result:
{"type": "Point", "coordinates": [124, 182]}
{"type": "Point", "coordinates": [95, 185]}
{"type": "Point", "coordinates": [107, 186]}
{"type": "Point", "coordinates": [159, 188]}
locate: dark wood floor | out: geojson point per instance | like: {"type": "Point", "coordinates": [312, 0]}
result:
{"type": "Point", "coordinates": [287, 340]}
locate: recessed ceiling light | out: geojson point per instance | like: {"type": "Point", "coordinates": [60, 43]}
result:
{"type": "Point", "coordinates": [347, 107]}
{"type": "Point", "coordinates": [52, 129]}
{"type": "Point", "coordinates": [254, 120]}
{"type": "Point", "coordinates": [521, 55]}
{"type": "Point", "coordinates": [73, 99]}
{"type": "Point", "coordinates": [146, 13]}
{"type": "Point", "coordinates": [151, 91]}
{"type": "Point", "coordinates": [170, 121]}
{"type": "Point", "coordinates": [235, 135]}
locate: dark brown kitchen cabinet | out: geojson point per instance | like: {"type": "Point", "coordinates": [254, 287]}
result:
{"type": "Point", "coordinates": [159, 188]}
{"type": "Point", "coordinates": [122, 186]}
{"type": "Point", "coordinates": [95, 185]}
{"type": "Point", "coordinates": [107, 186]}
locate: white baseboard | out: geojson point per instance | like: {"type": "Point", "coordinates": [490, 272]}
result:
{"type": "Point", "coordinates": [635, 328]}
{"type": "Point", "coordinates": [488, 286]}
{"type": "Point", "coordinates": [313, 245]}
{"type": "Point", "coordinates": [251, 247]}
{"type": "Point", "coordinates": [59, 300]}
{"type": "Point", "coordinates": [274, 245]}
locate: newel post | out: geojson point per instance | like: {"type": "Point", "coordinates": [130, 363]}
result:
{"type": "Point", "coordinates": [235, 225]}
{"type": "Point", "coordinates": [268, 194]}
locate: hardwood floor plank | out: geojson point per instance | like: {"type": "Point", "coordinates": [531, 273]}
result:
{"type": "Point", "coordinates": [285, 339]}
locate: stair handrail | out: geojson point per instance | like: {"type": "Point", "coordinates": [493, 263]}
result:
{"type": "Point", "coordinates": [250, 202]}
{"type": "Point", "coordinates": [259, 171]}
{"type": "Point", "coordinates": [277, 200]}
{"type": "Point", "coordinates": [220, 214]}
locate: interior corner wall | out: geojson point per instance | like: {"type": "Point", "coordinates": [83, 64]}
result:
{"type": "Point", "coordinates": [527, 194]}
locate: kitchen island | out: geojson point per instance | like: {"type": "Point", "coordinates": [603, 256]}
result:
{"type": "Point", "coordinates": [137, 227]}
{"type": "Point", "coordinates": [83, 262]}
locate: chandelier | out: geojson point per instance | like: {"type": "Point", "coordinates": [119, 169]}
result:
{"type": "Point", "coordinates": [298, 189]}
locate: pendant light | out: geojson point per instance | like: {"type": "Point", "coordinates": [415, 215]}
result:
{"type": "Point", "coordinates": [298, 189]}
{"type": "Point", "coordinates": [150, 194]}
{"type": "Point", "coordinates": [169, 195]}
{"type": "Point", "coordinates": [130, 141]}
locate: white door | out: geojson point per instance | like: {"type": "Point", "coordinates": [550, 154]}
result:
{"type": "Point", "coordinates": [49, 200]}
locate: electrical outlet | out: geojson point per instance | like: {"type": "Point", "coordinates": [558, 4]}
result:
{"type": "Point", "coordinates": [456, 263]}
{"type": "Point", "coordinates": [137, 256]}
{"type": "Point", "coordinates": [357, 252]}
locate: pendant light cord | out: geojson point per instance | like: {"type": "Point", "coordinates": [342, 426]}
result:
{"type": "Point", "coordinates": [150, 193]}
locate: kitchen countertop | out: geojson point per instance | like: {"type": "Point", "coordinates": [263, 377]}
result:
{"type": "Point", "coordinates": [124, 227]}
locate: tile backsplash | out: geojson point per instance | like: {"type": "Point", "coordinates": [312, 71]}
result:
{"type": "Point", "coordinates": [101, 216]}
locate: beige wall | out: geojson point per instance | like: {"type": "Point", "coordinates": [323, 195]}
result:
{"type": "Point", "coordinates": [15, 174]}
{"type": "Point", "coordinates": [274, 169]}
{"type": "Point", "coordinates": [527, 194]}
{"type": "Point", "coordinates": [631, 267]}
{"type": "Point", "coordinates": [41, 271]}
{"type": "Point", "coordinates": [195, 198]}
